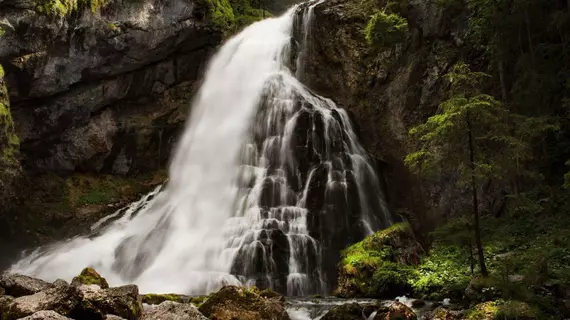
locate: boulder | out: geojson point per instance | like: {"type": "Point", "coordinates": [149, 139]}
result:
{"type": "Point", "coordinates": [97, 303]}
{"type": "Point", "coordinates": [46, 315]}
{"type": "Point", "coordinates": [396, 311]}
{"type": "Point", "coordinates": [113, 317]}
{"type": "Point", "coordinates": [90, 276]}
{"type": "Point", "coordinates": [349, 311]}
{"type": "Point", "coordinates": [441, 313]}
{"type": "Point", "coordinates": [173, 311]}
{"type": "Point", "coordinates": [18, 285]}
{"type": "Point", "coordinates": [381, 265]}
{"type": "Point", "coordinates": [63, 300]}
{"type": "Point", "coordinates": [232, 302]}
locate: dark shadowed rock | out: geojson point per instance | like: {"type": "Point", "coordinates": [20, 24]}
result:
{"type": "Point", "coordinates": [18, 285]}
{"type": "Point", "coordinates": [89, 276]}
{"type": "Point", "coordinates": [97, 303]}
{"type": "Point", "coordinates": [396, 311]}
{"type": "Point", "coordinates": [232, 302]}
{"type": "Point", "coordinates": [349, 311]}
{"type": "Point", "coordinates": [46, 315]}
{"type": "Point", "coordinates": [173, 311]}
{"type": "Point", "coordinates": [62, 300]}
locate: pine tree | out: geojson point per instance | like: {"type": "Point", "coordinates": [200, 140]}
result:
{"type": "Point", "coordinates": [476, 135]}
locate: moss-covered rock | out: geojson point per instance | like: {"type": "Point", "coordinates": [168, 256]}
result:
{"type": "Point", "coordinates": [381, 265]}
{"type": "Point", "coordinates": [232, 302]}
{"type": "Point", "coordinates": [155, 298]}
{"type": "Point", "coordinates": [503, 310]}
{"type": "Point", "coordinates": [89, 276]}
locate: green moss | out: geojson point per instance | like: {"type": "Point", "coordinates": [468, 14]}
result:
{"type": "Point", "coordinates": [9, 142]}
{"type": "Point", "coordinates": [373, 267]}
{"type": "Point", "coordinates": [385, 29]}
{"type": "Point", "coordinates": [503, 310]}
{"type": "Point", "coordinates": [153, 298]}
{"type": "Point", "coordinates": [89, 276]}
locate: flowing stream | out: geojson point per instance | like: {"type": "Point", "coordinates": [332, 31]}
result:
{"type": "Point", "coordinates": [267, 181]}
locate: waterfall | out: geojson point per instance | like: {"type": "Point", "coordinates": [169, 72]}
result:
{"type": "Point", "coordinates": [266, 183]}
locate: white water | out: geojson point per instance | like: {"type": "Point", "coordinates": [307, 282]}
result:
{"type": "Point", "coordinates": [237, 201]}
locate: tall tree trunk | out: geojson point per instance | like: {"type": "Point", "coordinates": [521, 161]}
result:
{"type": "Point", "coordinates": [502, 80]}
{"type": "Point", "coordinates": [475, 202]}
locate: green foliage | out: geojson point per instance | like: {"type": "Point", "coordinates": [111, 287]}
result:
{"type": "Point", "coordinates": [503, 310]}
{"type": "Point", "coordinates": [153, 298]}
{"type": "Point", "coordinates": [9, 142]}
{"type": "Point", "coordinates": [386, 29]}
{"type": "Point", "coordinates": [371, 267]}
{"type": "Point", "coordinates": [502, 139]}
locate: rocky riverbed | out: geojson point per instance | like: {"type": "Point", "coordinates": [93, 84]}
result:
{"type": "Point", "coordinates": [89, 296]}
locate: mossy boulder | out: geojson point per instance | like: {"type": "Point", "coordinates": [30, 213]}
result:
{"type": "Point", "coordinates": [155, 298]}
{"type": "Point", "coordinates": [381, 265]}
{"type": "Point", "coordinates": [90, 276]}
{"type": "Point", "coordinates": [232, 302]}
{"type": "Point", "coordinates": [503, 310]}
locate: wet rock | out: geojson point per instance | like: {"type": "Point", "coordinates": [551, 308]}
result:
{"type": "Point", "coordinates": [62, 300]}
{"type": "Point", "coordinates": [349, 311]}
{"type": "Point", "coordinates": [121, 301]}
{"type": "Point", "coordinates": [89, 276]}
{"type": "Point", "coordinates": [46, 315]}
{"type": "Point", "coordinates": [174, 311]}
{"type": "Point", "coordinates": [18, 285]}
{"type": "Point", "coordinates": [232, 302]}
{"type": "Point", "coordinates": [418, 303]}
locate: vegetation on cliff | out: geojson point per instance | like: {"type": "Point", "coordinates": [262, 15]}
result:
{"type": "Point", "coordinates": [9, 142]}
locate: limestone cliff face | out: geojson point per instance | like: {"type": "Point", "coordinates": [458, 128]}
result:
{"type": "Point", "coordinates": [387, 90]}
{"type": "Point", "coordinates": [91, 88]}
{"type": "Point", "coordinates": [95, 93]}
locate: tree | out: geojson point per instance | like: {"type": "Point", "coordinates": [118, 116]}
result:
{"type": "Point", "coordinates": [477, 136]}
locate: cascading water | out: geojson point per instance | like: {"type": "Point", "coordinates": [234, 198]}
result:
{"type": "Point", "coordinates": [267, 184]}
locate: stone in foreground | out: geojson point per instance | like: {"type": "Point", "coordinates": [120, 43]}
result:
{"type": "Point", "coordinates": [232, 302]}
{"type": "Point", "coordinates": [97, 303]}
{"type": "Point", "coordinates": [63, 300]}
{"type": "Point", "coordinates": [18, 285]}
{"type": "Point", "coordinates": [173, 311]}
{"type": "Point", "coordinates": [46, 315]}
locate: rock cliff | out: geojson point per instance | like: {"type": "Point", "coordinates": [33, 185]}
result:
{"type": "Point", "coordinates": [387, 89]}
{"type": "Point", "coordinates": [91, 91]}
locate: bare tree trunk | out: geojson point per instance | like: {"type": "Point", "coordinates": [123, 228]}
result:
{"type": "Point", "coordinates": [475, 202]}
